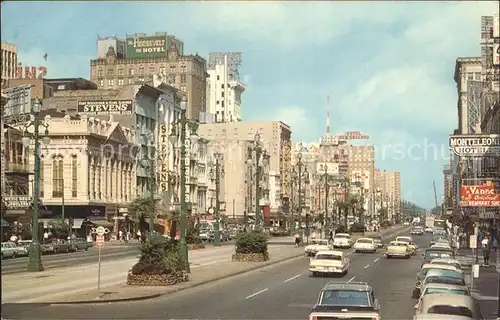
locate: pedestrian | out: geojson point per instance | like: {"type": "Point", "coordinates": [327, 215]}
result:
{"type": "Point", "coordinates": [13, 238]}
{"type": "Point", "coordinates": [120, 235]}
{"type": "Point", "coordinates": [495, 244]}
{"type": "Point", "coordinates": [297, 239]}
{"type": "Point", "coordinates": [486, 255]}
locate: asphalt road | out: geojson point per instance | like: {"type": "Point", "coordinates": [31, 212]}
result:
{"type": "Point", "coordinates": [110, 253]}
{"type": "Point", "coordinates": [283, 291]}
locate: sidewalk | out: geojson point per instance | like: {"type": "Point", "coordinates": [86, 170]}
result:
{"type": "Point", "coordinates": [485, 290]}
{"type": "Point", "coordinates": [73, 285]}
{"type": "Point", "coordinates": [467, 257]}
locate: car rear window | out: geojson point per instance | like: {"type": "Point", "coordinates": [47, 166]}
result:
{"type": "Point", "coordinates": [365, 241]}
{"type": "Point", "coordinates": [328, 257]}
{"type": "Point", "coordinates": [446, 291]}
{"type": "Point", "coordinates": [450, 310]}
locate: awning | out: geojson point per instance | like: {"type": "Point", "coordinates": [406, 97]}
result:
{"type": "Point", "coordinates": [77, 223]}
{"type": "Point", "coordinates": [5, 223]}
{"type": "Point", "coordinates": [104, 223]}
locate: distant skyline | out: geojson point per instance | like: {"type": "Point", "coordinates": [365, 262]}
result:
{"type": "Point", "coordinates": [387, 66]}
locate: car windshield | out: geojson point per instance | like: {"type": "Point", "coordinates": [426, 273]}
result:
{"type": "Point", "coordinates": [450, 310]}
{"type": "Point", "coordinates": [445, 280]}
{"type": "Point", "coordinates": [365, 241]}
{"type": "Point", "coordinates": [400, 244]}
{"type": "Point", "coordinates": [341, 236]}
{"type": "Point", "coordinates": [322, 242]}
{"type": "Point", "coordinates": [446, 291]}
{"type": "Point", "coordinates": [429, 255]}
{"type": "Point", "coordinates": [345, 298]}
{"type": "Point", "coordinates": [328, 257]}
{"type": "Point", "coordinates": [377, 239]}
{"type": "Point", "coordinates": [403, 239]}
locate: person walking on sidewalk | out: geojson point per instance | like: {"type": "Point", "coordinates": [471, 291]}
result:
{"type": "Point", "coordinates": [486, 255]}
{"type": "Point", "coordinates": [297, 239]}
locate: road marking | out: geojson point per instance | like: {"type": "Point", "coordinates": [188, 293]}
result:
{"type": "Point", "coordinates": [367, 266]}
{"type": "Point", "coordinates": [351, 279]}
{"type": "Point", "coordinates": [203, 264]}
{"type": "Point", "coordinates": [256, 293]}
{"type": "Point", "coordinates": [376, 260]}
{"type": "Point", "coordinates": [292, 278]}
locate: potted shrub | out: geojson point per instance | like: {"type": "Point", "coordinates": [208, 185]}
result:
{"type": "Point", "coordinates": [357, 228]}
{"type": "Point", "coordinates": [160, 264]}
{"type": "Point", "coordinates": [251, 247]}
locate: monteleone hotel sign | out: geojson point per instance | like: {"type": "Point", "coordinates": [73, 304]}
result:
{"type": "Point", "coordinates": [477, 145]}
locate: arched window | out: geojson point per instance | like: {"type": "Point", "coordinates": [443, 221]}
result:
{"type": "Point", "coordinates": [57, 178]}
{"type": "Point", "coordinates": [74, 176]}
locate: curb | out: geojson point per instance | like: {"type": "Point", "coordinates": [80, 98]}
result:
{"type": "Point", "coordinates": [157, 295]}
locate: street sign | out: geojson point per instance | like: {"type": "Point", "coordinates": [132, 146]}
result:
{"type": "Point", "coordinates": [100, 231]}
{"type": "Point", "coordinates": [473, 241]}
{"type": "Point", "coordinates": [99, 240]}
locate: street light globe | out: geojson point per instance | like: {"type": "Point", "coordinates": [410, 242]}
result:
{"type": "Point", "coordinates": [299, 155]}
{"type": "Point", "coordinates": [184, 103]}
{"type": "Point", "coordinates": [257, 138]}
{"type": "Point", "coordinates": [26, 141]}
{"type": "Point", "coordinates": [194, 138]}
{"type": "Point", "coordinates": [173, 139]}
{"type": "Point", "coordinates": [265, 160]}
{"type": "Point", "coordinates": [46, 140]}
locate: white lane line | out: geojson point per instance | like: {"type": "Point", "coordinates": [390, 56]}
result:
{"type": "Point", "coordinates": [376, 260]}
{"type": "Point", "coordinates": [367, 266]}
{"type": "Point", "coordinates": [351, 279]}
{"type": "Point", "coordinates": [256, 293]}
{"type": "Point", "coordinates": [292, 278]}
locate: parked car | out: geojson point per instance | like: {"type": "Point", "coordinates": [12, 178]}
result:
{"type": "Point", "coordinates": [80, 244]}
{"type": "Point", "coordinates": [61, 246]}
{"type": "Point", "coordinates": [25, 244]}
{"type": "Point", "coordinates": [448, 306]}
{"type": "Point", "coordinates": [11, 250]}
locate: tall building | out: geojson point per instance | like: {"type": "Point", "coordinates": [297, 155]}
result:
{"type": "Point", "coordinates": [468, 78]}
{"type": "Point", "coordinates": [147, 56]}
{"type": "Point", "coordinates": [224, 87]}
{"type": "Point", "coordinates": [388, 188]}
{"type": "Point", "coordinates": [9, 62]}
{"type": "Point", "coordinates": [276, 139]}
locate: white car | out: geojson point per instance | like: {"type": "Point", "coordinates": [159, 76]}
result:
{"type": "Point", "coordinates": [365, 245]}
{"type": "Point", "coordinates": [329, 262]}
{"type": "Point", "coordinates": [429, 229]}
{"type": "Point", "coordinates": [449, 261]}
{"type": "Point", "coordinates": [317, 245]}
{"type": "Point", "coordinates": [406, 223]}
{"type": "Point", "coordinates": [11, 250]}
{"type": "Point", "coordinates": [441, 245]}
{"type": "Point", "coordinates": [342, 240]}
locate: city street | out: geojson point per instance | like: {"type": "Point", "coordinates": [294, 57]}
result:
{"type": "Point", "coordinates": [61, 260]}
{"type": "Point", "coordinates": [284, 291]}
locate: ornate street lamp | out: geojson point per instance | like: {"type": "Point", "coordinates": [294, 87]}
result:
{"type": "Point", "coordinates": [178, 135]}
{"type": "Point", "coordinates": [300, 174]}
{"type": "Point", "coordinates": [327, 181]}
{"type": "Point", "coordinates": [261, 157]}
{"type": "Point", "coordinates": [149, 164]}
{"type": "Point", "coordinates": [216, 173]}
{"type": "Point", "coordinates": [35, 254]}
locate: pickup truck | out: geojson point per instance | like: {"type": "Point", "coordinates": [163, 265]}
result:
{"type": "Point", "coordinates": [398, 249]}
{"type": "Point", "coordinates": [342, 300]}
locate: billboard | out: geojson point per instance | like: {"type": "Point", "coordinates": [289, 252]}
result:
{"type": "Point", "coordinates": [479, 196]}
{"type": "Point", "coordinates": [18, 107]}
{"type": "Point", "coordinates": [496, 54]}
{"type": "Point", "coordinates": [105, 107]}
{"type": "Point", "coordinates": [328, 167]}
{"type": "Point", "coordinates": [496, 26]}
{"type": "Point", "coordinates": [478, 145]}
{"type": "Point", "coordinates": [353, 135]}
{"type": "Point", "coordinates": [146, 47]}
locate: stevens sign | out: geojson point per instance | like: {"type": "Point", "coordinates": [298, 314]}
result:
{"type": "Point", "coordinates": [105, 107]}
{"type": "Point", "coordinates": [479, 196]}
{"type": "Point", "coordinates": [146, 47]}
{"type": "Point", "coordinates": [475, 145]}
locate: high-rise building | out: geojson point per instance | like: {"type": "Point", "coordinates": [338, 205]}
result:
{"type": "Point", "coordinates": [276, 139]}
{"type": "Point", "coordinates": [224, 87]}
{"type": "Point", "coordinates": [143, 58]}
{"type": "Point", "coordinates": [388, 187]}
{"type": "Point", "coordinates": [9, 62]}
{"type": "Point", "coordinates": [467, 77]}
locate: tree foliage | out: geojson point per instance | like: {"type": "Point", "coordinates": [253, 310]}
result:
{"type": "Point", "coordinates": [254, 241]}
{"type": "Point", "coordinates": [59, 227]}
{"type": "Point", "coordinates": [142, 207]}
{"type": "Point", "coordinates": [159, 256]}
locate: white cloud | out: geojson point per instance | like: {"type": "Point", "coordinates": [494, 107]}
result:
{"type": "Point", "coordinates": [296, 117]}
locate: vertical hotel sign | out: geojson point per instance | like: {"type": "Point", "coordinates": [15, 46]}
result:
{"type": "Point", "coordinates": [146, 47]}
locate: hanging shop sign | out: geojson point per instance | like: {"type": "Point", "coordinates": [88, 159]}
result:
{"type": "Point", "coordinates": [478, 145]}
{"type": "Point", "coordinates": [479, 196]}
{"type": "Point", "coordinates": [17, 202]}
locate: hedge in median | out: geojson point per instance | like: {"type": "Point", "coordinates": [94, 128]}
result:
{"type": "Point", "coordinates": [251, 247]}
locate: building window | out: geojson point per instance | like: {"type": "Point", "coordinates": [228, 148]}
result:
{"type": "Point", "coordinates": [141, 71]}
{"type": "Point", "coordinates": [218, 77]}
{"type": "Point", "coordinates": [100, 73]}
{"type": "Point", "coordinates": [141, 79]}
{"type": "Point", "coordinates": [183, 78]}
{"type": "Point", "coordinates": [42, 177]}
{"type": "Point", "coordinates": [110, 72]}
{"type": "Point", "coordinates": [130, 72]}
{"type": "Point", "coordinates": [57, 178]}
{"type": "Point", "coordinates": [172, 69]}
{"type": "Point", "coordinates": [101, 83]}
{"type": "Point", "coordinates": [120, 82]}
{"type": "Point", "coordinates": [183, 69]}
{"type": "Point", "coordinates": [74, 176]}
{"type": "Point", "coordinates": [151, 70]}
{"type": "Point", "coordinates": [120, 72]}
{"type": "Point", "coordinates": [222, 94]}
{"type": "Point", "coordinates": [162, 70]}
{"type": "Point", "coordinates": [470, 76]}
{"type": "Point", "coordinates": [111, 82]}
{"type": "Point", "coordinates": [477, 76]}
{"type": "Point", "coordinates": [222, 86]}
{"type": "Point", "coordinates": [183, 88]}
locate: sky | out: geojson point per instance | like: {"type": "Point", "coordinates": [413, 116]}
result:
{"type": "Point", "coordinates": [387, 66]}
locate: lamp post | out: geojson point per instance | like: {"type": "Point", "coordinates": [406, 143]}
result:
{"type": "Point", "coordinates": [326, 179]}
{"type": "Point", "coordinates": [35, 255]}
{"type": "Point", "coordinates": [178, 135]}
{"type": "Point", "coordinates": [149, 164]}
{"type": "Point", "coordinates": [299, 172]}
{"type": "Point", "coordinates": [216, 173]}
{"type": "Point", "coordinates": [261, 157]}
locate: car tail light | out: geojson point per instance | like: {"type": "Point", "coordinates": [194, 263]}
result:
{"type": "Point", "coordinates": [313, 318]}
